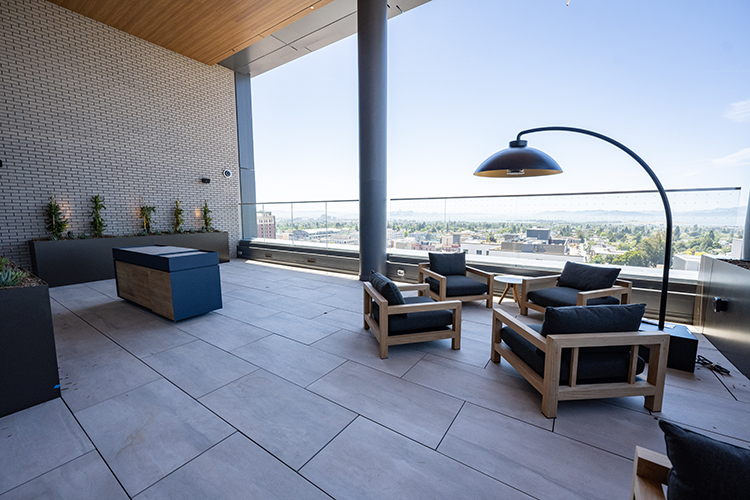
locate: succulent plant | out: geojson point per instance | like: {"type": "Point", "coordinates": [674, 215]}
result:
{"type": "Point", "coordinates": [55, 222]}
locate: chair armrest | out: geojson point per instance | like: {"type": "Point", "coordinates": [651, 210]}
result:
{"type": "Point", "coordinates": [370, 290]}
{"type": "Point", "coordinates": [479, 272]}
{"type": "Point", "coordinates": [607, 339]}
{"type": "Point", "coordinates": [426, 306]}
{"type": "Point", "coordinates": [603, 292]}
{"type": "Point", "coordinates": [522, 329]}
{"type": "Point", "coordinates": [529, 284]}
{"type": "Point", "coordinates": [650, 471]}
{"type": "Point", "coordinates": [414, 287]}
{"type": "Point", "coordinates": [428, 272]}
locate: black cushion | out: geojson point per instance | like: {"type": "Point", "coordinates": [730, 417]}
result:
{"type": "Point", "coordinates": [595, 364]}
{"type": "Point", "coordinates": [585, 277]}
{"type": "Point", "coordinates": [703, 468]}
{"type": "Point", "coordinates": [415, 322]}
{"type": "Point", "coordinates": [448, 263]}
{"type": "Point", "coordinates": [387, 289]}
{"type": "Point", "coordinates": [593, 319]}
{"type": "Point", "coordinates": [559, 296]}
{"type": "Point", "coordinates": [457, 285]}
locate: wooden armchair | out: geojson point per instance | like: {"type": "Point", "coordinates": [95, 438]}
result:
{"type": "Point", "coordinates": [577, 285]}
{"type": "Point", "coordinates": [559, 362]}
{"type": "Point", "coordinates": [449, 277]}
{"type": "Point", "coordinates": [650, 472]}
{"type": "Point", "coordinates": [417, 319]}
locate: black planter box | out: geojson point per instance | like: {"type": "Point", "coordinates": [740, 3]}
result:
{"type": "Point", "coordinates": [28, 360]}
{"type": "Point", "coordinates": [67, 262]}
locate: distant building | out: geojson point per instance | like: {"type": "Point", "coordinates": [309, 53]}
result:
{"type": "Point", "coordinates": [266, 225]}
{"type": "Point", "coordinates": [449, 240]}
{"type": "Point", "coordinates": [537, 233]}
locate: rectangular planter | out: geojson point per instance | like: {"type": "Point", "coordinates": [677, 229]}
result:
{"type": "Point", "coordinates": [28, 360]}
{"type": "Point", "coordinates": [67, 262]}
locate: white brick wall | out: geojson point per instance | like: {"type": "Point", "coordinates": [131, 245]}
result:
{"type": "Point", "coordinates": [86, 109]}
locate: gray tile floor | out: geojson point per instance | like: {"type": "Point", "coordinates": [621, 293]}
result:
{"type": "Point", "coordinates": [281, 394]}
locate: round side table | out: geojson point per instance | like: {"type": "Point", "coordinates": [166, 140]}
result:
{"type": "Point", "coordinates": [510, 281]}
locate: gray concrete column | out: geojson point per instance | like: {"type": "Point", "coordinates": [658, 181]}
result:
{"type": "Point", "coordinates": [372, 40]}
{"type": "Point", "coordinates": [246, 155]}
{"type": "Point", "coordinates": [746, 235]}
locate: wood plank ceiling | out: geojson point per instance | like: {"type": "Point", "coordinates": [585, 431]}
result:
{"type": "Point", "coordinates": [208, 31]}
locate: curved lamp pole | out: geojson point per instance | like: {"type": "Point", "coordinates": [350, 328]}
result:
{"type": "Point", "coordinates": [522, 161]}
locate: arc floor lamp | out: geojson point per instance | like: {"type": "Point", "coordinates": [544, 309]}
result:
{"type": "Point", "coordinates": [522, 161]}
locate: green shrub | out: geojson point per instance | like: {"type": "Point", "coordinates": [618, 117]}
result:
{"type": "Point", "coordinates": [55, 223]}
{"type": "Point", "coordinates": [146, 213]}
{"type": "Point", "coordinates": [206, 218]}
{"type": "Point", "coordinates": [97, 222]}
{"type": "Point", "coordinates": [178, 219]}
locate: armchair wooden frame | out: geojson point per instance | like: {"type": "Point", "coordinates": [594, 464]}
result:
{"type": "Point", "coordinates": [380, 327]}
{"type": "Point", "coordinates": [424, 270]}
{"type": "Point", "coordinates": [552, 346]}
{"type": "Point", "coordinates": [621, 289]}
{"type": "Point", "coordinates": [650, 472]}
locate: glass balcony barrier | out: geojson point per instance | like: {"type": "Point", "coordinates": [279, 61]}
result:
{"type": "Point", "coordinates": [624, 228]}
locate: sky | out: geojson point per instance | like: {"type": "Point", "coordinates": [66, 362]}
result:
{"type": "Point", "coordinates": [670, 79]}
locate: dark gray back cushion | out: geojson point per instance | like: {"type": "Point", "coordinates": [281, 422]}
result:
{"type": "Point", "coordinates": [703, 468]}
{"type": "Point", "coordinates": [592, 319]}
{"type": "Point", "coordinates": [387, 289]}
{"type": "Point", "coordinates": [585, 277]}
{"type": "Point", "coordinates": [448, 263]}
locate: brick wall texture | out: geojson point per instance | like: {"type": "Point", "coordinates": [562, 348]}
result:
{"type": "Point", "coordinates": [86, 110]}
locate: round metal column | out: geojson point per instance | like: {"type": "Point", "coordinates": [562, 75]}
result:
{"type": "Point", "coordinates": [373, 80]}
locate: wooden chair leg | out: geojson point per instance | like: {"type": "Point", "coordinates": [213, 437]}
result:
{"type": "Point", "coordinates": [496, 339]}
{"type": "Point", "coordinates": [552, 361]}
{"type": "Point", "coordinates": [383, 350]}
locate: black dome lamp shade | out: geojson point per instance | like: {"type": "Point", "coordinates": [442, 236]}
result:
{"type": "Point", "coordinates": [518, 161]}
{"type": "Point", "coordinates": [521, 161]}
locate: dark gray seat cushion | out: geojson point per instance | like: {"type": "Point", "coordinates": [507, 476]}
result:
{"type": "Point", "coordinates": [387, 289]}
{"type": "Point", "coordinates": [704, 468]}
{"type": "Point", "coordinates": [448, 263]}
{"type": "Point", "coordinates": [559, 296]}
{"type": "Point", "coordinates": [595, 364]}
{"type": "Point", "coordinates": [586, 277]}
{"type": "Point", "coordinates": [415, 322]}
{"type": "Point", "coordinates": [458, 285]}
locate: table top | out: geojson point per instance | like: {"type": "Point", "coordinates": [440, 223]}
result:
{"type": "Point", "coordinates": [510, 280]}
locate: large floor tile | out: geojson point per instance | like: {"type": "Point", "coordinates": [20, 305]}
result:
{"type": "Point", "coordinates": [288, 421]}
{"type": "Point", "coordinates": [108, 372]}
{"type": "Point", "coordinates": [222, 331]}
{"type": "Point", "coordinates": [543, 464]}
{"type": "Point", "coordinates": [115, 315]}
{"type": "Point", "coordinates": [302, 308]}
{"type": "Point", "coordinates": [253, 295]}
{"type": "Point", "coordinates": [472, 352]}
{"type": "Point", "coordinates": [198, 368]}
{"type": "Point", "coordinates": [704, 411]}
{"type": "Point", "coordinates": [364, 350]}
{"type": "Point", "coordinates": [407, 408]}
{"type": "Point", "coordinates": [150, 337]}
{"type": "Point", "coordinates": [37, 440]}
{"type": "Point", "coordinates": [343, 319]}
{"type": "Point", "coordinates": [149, 432]}
{"type": "Point", "coordinates": [296, 328]}
{"type": "Point", "coordinates": [492, 389]}
{"type": "Point", "coordinates": [342, 301]}
{"type": "Point", "coordinates": [107, 287]}
{"type": "Point", "coordinates": [85, 478]}
{"type": "Point", "coordinates": [235, 469]}
{"type": "Point", "coordinates": [298, 363]}
{"type": "Point", "coordinates": [245, 311]}
{"type": "Point", "coordinates": [74, 337]}
{"type": "Point", "coordinates": [370, 462]}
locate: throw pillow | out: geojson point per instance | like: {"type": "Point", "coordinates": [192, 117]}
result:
{"type": "Point", "coordinates": [586, 277]}
{"type": "Point", "coordinates": [387, 289]}
{"type": "Point", "coordinates": [593, 319]}
{"type": "Point", "coordinates": [448, 263]}
{"type": "Point", "coordinates": [704, 468]}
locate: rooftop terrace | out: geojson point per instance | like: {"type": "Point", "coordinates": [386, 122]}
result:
{"type": "Point", "coordinates": [281, 394]}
